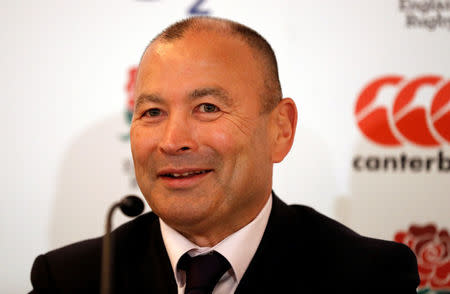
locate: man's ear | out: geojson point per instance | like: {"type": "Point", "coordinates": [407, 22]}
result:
{"type": "Point", "coordinates": [284, 122]}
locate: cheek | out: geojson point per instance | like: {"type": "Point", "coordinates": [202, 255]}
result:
{"type": "Point", "coordinates": [222, 138]}
{"type": "Point", "coordinates": [143, 142]}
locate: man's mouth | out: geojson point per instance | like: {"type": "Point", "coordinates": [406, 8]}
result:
{"type": "Point", "coordinates": [182, 175]}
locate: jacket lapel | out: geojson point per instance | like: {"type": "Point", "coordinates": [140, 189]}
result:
{"type": "Point", "coordinates": [145, 267]}
{"type": "Point", "coordinates": [270, 270]}
{"type": "Point", "coordinates": [159, 274]}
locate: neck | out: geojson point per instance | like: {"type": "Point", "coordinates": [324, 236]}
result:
{"type": "Point", "coordinates": [209, 235]}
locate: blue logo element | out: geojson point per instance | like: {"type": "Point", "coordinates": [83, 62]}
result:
{"type": "Point", "coordinates": [196, 8]}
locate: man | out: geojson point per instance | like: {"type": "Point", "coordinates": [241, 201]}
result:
{"type": "Point", "coordinates": [209, 123]}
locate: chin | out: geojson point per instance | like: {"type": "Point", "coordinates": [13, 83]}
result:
{"type": "Point", "coordinates": [185, 219]}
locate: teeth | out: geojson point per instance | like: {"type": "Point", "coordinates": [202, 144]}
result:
{"type": "Point", "coordinates": [176, 175]}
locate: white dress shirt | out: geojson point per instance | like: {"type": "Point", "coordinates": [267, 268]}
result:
{"type": "Point", "coordinates": [238, 249]}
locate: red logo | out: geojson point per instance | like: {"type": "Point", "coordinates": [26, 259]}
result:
{"type": "Point", "coordinates": [432, 248]}
{"type": "Point", "coordinates": [129, 88]}
{"type": "Point", "coordinates": [132, 72]}
{"type": "Point", "coordinates": [406, 120]}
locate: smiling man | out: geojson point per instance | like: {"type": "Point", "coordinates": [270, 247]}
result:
{"type": "Point", "coordinates": [209, 123]}
{"type": "Point", "coordinates": [202, 137]}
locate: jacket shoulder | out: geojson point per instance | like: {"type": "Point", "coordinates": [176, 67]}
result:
{"type": "Point", "coordinates": [76, 267]}
{"type": "Point", "coordinates": [356, 258]}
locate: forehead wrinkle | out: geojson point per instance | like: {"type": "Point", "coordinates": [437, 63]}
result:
{"type": "Point", "coordinates": [217, 92]}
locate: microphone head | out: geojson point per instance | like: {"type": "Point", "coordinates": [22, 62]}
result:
{"type": "Point", "coordinates": [132, 205]}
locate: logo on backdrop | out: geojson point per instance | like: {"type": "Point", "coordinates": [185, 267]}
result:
{"type": "Point", "coordinates": [408, 121]}
{"type": "Point", "coordinates": [129, 88]}
{"type": "Point", "coordinates": [417, 113]}
{"type": "Point", "coordinates": [432, 249]}
{"type": "Point", "coordinates": [127, 163]}
{"type": "Point", "coordinates": [426, 14]}
{"type": "Point", "coordinates": [195, 8]}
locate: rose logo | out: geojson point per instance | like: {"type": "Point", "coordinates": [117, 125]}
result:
{"type": "Point", "coordinates": [129, 88]}
{"type": "Point", "coordinates": [432, 249]}
{"type": "Point", "coordinates": [132, 72]}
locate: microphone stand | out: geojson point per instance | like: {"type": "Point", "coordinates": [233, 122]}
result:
{"type": "Point", "coordinates": [106, 252]}
{"type": "Point", "coordinates": [131, 206]}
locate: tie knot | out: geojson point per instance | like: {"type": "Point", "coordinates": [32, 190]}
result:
{"type": "Point", "coordinates": [203, 271]}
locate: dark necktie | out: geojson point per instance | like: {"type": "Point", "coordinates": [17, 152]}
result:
{"type": "Point", "coordinates": [203, 271]}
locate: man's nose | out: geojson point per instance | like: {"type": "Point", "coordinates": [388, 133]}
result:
{"type": "Point", "coordinates": [178, 137]}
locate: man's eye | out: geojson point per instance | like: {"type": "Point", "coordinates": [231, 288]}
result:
{"type": "Point", "coordinates": [153, 112]}
{"type": "Point", "coordinates": [206, 107]}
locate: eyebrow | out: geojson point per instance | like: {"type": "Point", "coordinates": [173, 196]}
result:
{"type": "Point", "coordinates": [143, 98]}
{"type": "Point", "coordinates": [218, 92]}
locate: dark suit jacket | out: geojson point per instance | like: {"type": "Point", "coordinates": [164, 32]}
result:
{"type": "Point", "coordinates": [301, 251]}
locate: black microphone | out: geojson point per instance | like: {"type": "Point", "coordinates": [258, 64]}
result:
{"type": "Point", "coordinates": [131, 206]}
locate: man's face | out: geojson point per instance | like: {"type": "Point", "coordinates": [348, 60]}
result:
{"type": "Point", "coordinates": [201, 147]}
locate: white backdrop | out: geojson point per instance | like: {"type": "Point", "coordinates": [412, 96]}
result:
{"type": "Point", "coordinates": [65, 155]}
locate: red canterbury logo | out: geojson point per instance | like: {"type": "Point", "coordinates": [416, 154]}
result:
{"type": "Point", "coordinates": [407, 120]}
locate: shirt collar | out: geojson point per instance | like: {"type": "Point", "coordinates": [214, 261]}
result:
{"type": "Point", "coordinates": [247, 237]}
